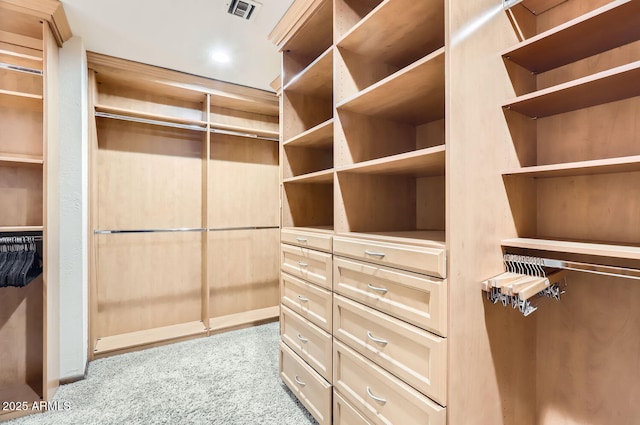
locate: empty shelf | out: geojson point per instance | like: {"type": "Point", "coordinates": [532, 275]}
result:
{"type": "Point", "coordinates": [581, 248]}
{"type": "Point", "coordinates": [608, 86]}
{"type": "Point", "coordinates": [319, 136]}
{"type": "Point", "coordinates": [21, 161]}
{"type": "Point", "coordinates": [398, 32]}
{"type": "Point", "coordinates": [20, 94]}
{"type": "Point", "coordinates": [148, 115]}
{"type": "Point", "coordinates": [316, 79]}
{"type": "Point", "coordinates": [581, 168]}
{"type": "Point", "coordinates": [324, 176]}
{"type": "Point", "coordinates": [420, 163]}
{"type": "Point", "coordinates": [608, 27]}
{"type": "Point", "coordinates": [413, 95]}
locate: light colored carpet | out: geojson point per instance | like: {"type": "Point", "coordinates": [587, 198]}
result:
{"type": "Point", "coordinates": [226, 379]}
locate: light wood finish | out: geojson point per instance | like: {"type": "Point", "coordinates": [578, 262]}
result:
{"type": "Point", "coordinates": [204, 242]}
{"type": "Point", "coordinates": [244, 319]}
{"type": "Point", "coordinates": [324, 176]}
{"type": "Point", "coordinates": [416, 356]}
{"type": "Point", "coordinates": [309, 301]}
{"type": "Point", "coordinates": [603, 87]}
{"type": "Point", "coordinates": [429, 260]}
{"type": "Point", "coordinates": [414, 95]}
{"type": "Point", "coordinates": [307, 205]}
{"type": "Point", "coordinates": [312, 266]}
{"type": "Point", "coordinates": [580, 168]}
{"type": "Point", "coordinates": [308, 341]}
{"type": "Point", "coordinates": [49, 10]}
{"type": "Point", "coordinates": [243, 122]}
{"type": "Point", "coordinates": [309, 387]}
{"type": "Point", "coordinates": [20, 161]}
{"type": "Point", "coordinates": [300, 12]}
{"type": "Point", "coordinates": [21, 188]}
{"type": "Point", "coordinates": [243, 271]}
{"type": "Point", "coordinates": [308, 238]}
{"type": "Point", "coordinates": [19, 394]}
{"type": "Point", "coordinates": [318, 136]}
{"type": "Point", "coordinates": [276, 84]}
{"type": "Point", "coordinates": [21, 82]}
{"type": "Point", "coordinates": [299, 161]}
{"type": "Point", "coordinates": [147, 115]}
{"type": "Point", "coordinates": [353, 375]}
{"type": "Point", "coordinates": [21, 119]}
{"type": "Point", "coordinates": [345, 414]}
{"type": "Point", "coordinates": [605, 28]}
{"type": "Point", "coordinates": [21, 229]}
{"type": "Point", "coordinates": [538, 7]}
{"type": "Point", "coordinates": [584, 248]}
{"type": "Point", "coordinates": [147, 338]}
{"type": "Point", "coordinates": [414, 298]}
{"type": "Point", "coordinates": [398, 32]}
{"type": "Point", "coordinates": [420, 163]}
{"type": "Point", "coordinates": [316, 79]}
{"type": "Point", "coordinates": [306, 111]}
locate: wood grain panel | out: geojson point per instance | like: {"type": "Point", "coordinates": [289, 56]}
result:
{"type": "Point", "coordinates": [304, 112]}
{"type": "Point", "coordinates": [307, 205]}
{"type": "Point", "coordinates": [355, 73]}
{"type": "Point", "coordinates": [243, 182]}
{"type": "Point", "coordinates": [564, 12]}
{"type": "Point", "coordinates": [430, 203]}
{"type": "Point", "coordinates": [430, 134]}
{"type": "Point", "coordinates": [21, 123]}
{"type": "Point", "coordinates": [22, 82]}
{"type": "Point", "coordinates": [21, 195]}
{"type": "Point", "coordinates": [243, 270]}
{"type": "Point", "coordinates": [21, 24]}
{"type": "Point", "coordinates": [298, 160]}
{"type": "Point", "coordinates": [242, 119]}
{"type": "Point", "coordinates": [348, 13]}
{"type": "Point", "coordinates": [148, 176]}
{"type": "Point", "coordinates": [147, 281]}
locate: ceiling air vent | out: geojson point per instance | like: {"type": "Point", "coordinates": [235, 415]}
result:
{"type": "Point", "coordinates": [245, 9]}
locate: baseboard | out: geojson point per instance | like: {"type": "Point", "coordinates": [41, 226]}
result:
{"type": "Point", "coordinates": [76, 378]}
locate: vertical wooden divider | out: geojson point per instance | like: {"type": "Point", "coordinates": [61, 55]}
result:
{"type": "Point", "coordinates": [206, 155]}
{"type": "Point", "coordinates": [93, 211]}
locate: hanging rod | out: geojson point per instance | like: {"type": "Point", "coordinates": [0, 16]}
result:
{"type": "Point", "coordinates": [222, 229]}
{"type": "Point", "coordinates": [192, 127]}
{"type": "Point", "coordinates": [24, 69]}
{"type": "Point", "coordinates": [182, 229]}
{"type": "Point", "coordinates": [614, 271]}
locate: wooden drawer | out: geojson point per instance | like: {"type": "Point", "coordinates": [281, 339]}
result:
{"type": "Point", "coordinates": [319, 241]}
{"type": "Point", "coordinates": [312, 266]}
{"type": "Point", "coordinates": [420, 259]}
{"type": "Point", "coordinates": [415, 298]}
{"type": "Point", "coordinates": [346, 414]}
{"type": "Point", "coordinates": [382, 398]}
{"type": "Point", "coordinates": [310, 388]}
{"type": "Point", "coordinates": [308, 341]}
{"type": "Point", "coordinates": [412, 354]}
{"type": "Point", "coordinates": [309, 301]}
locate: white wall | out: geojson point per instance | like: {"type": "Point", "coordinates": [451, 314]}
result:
{"type": "Point", "coordinates": [74, 292]}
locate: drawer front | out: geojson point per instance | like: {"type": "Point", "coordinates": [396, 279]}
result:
{"type": "Point", "coordinates": [419, 259]}
{"type": "Point", "coordinates": [414, 355]}
{"type": "Point", "coordinates": [312, 240]}
{"type": "Point", "coordinates": [310, 388]}
{"type": "Point", "coordinates": [346, 414]}
{"type": "Point", "coordinates": [412, 297]}
{"type": "Point", "coordinates": [309, 301]}
{"type": "Point", "coordinates": [308, 341]}
{"type": "Point", "coordinates": [312, 266]}
{"type": "Point", "coordinates": [382, 398]}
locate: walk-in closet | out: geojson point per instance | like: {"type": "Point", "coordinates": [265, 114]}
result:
{"type": "Point", "coordinates": [320, 212]}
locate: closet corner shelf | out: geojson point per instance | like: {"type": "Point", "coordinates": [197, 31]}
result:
{"type": "Point", "coordinates": [322, 177]}
{"type": "Point", "coordinates": [605, 28]}
{"type": "Point", "coordinates": [421, 163]}
{"type": "Point", "coordinates": [581, 248]}
{"type": "Point", "coordinates": [19, 229]}
{"type": "Point", "coordinates": [20, 94]}
{"type": "Point", "coordinates": [414, 94]}
{"type": "Point", "coordinates": [244, 319]}
{"type": "Point", "coordinates": [398, 31]}
{"type": "Point", "coordinates": [428, 238]}
{"type": "Point", "coordinates": [320, 136]}
{"type": "Point", "coordinates": [139, 339]}
{"type": "Point", "coordinates": [148, 115]}
{"type": "Point", "coordinates": [20, 160]}
{"type": "Point", "coordinates": [603, 87]}
{"type": "Point", "coordinates": [316, 79]}
{"type": "Point", "coordinates": [582, 168]}
{"type": "Point", "coordinates": [312, 37]}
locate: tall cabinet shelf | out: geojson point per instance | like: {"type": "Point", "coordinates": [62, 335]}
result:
{"type": "Point", "coordinates": [29, 331]}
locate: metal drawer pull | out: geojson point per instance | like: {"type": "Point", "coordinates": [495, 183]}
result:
{"type": "Point", "coordinates": [377, 288]}
{"type": "Point", "coordinates": [374, 253]}
{"type": "Point", "coordinates": [378, 399]}
{"type": "Point", "coordinates": [303, 299]}
{"type": "Point", "coordinates": [303, 264]}
{"type": "Point", "coordinates": [378, 340]}
{"type": "Point", "coordinates": [303, 339]}
{"type": "Point", "coordinates": [299, 381]}
{"type": "Point", "coordinates": [301, 240]}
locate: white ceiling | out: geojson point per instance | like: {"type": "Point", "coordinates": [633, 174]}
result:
{"type": "Point", "coordinates": [182, 35]}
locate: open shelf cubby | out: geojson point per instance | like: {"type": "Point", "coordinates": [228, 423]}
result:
{"type": "Point", "coordinates": [308, 202]}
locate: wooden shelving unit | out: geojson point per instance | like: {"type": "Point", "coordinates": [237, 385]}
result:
{"type": "Point", "coordinates": [316, 79]}
{"type": "Point", "coordinates": [421, 163]}
{"type": "Point", "coordinates": [320, 136]}
{"type": "Point", "coordinates": [572, 247]}
{"type": "Point", "coordinates": [324, 176]}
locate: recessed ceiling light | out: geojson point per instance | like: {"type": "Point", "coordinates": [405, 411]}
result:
{"type": "Point", "coordinates": [220, 57]}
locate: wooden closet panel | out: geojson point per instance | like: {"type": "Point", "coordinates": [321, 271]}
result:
{"type": "Point", "coordinates": [21, 196]}
{"type": "Point", "coordinates": [430, 203]}
{"type": "Point", "coordinates": [246, 120]}
{"type": "Point", "coordinates": [587, 353]}
{"type": "Point", "coordinates": [305, 112]}
{"type": "Point", "coordinates": [430, 134]}
{"type": "Point", "coordinates": [148, 176]}
{"type": "Point", "coordinates": [303, 160]}
{"type": "Point", "coordinates": [243, 270]}
{"type": "Point", "coordinates": [565, 12]}
{"type": "Point", "coordinates": [21, 336]}
{"type": "Point", "coordinates": [603, 131]}
{"type": "Point", "coordinates": [147, 281]}
{"type": "Point", "coordinates": [243, 182]}
{"type": "Point", "coordinates": [602, 207]}
{"type": "Point", "coordinates": [21, 82]}
{"type": "Point", "coordinates": [22, 24]}
{"type": "Point", "coordinates": [307, 205]}
{"type": "Point", "coordinates": [21, 124]}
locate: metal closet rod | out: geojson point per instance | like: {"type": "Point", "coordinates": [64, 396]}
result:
{"type": "Point", "coordinates": [193, 127]}
{"type": "Point", "coordinates": [12, 67]}
{"type": "Point", "coordinates": [614, 271]}
{"type": "Point", "coordinates": [182, 229]}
